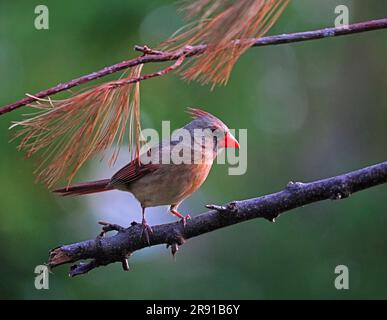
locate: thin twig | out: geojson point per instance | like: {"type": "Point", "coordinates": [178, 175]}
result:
{"type": "Point", "coordinates": [105, 250]}
{"type": "Point", "coordinates": [154, 56]}
{"type": "Point", "coordinates": [159, 73]}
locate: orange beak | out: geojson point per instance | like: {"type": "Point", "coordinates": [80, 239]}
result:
{"type": "Point", "coordinates": [230, 141]}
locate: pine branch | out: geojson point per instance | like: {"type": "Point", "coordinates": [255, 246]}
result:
{"type": "Point", "coordinates": [153, 56]}
{"type": "Point", "coordinates": [105, 250]}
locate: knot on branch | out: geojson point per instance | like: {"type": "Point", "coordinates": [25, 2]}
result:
{"type": "Point", "coordinates": [174, 240]}
{"type": "Point", "coordinates": [231, 207]}
{"type": "Point", "coordinates": [107, 227]}
{"type": "Point", "coordinates": [340, 191]}
{"type": "Point", "coordinates": [293, 186]}
{"type": "Point", "coordinates": [270, 216]}
{"type": "Point", "coordinates": [147, 51]}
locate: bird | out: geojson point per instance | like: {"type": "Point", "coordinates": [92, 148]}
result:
{"type": "Point", "coordinates": [155, 182]}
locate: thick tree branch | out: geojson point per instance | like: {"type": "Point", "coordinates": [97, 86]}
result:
{"type": "Point", "coordinates": [105, 250]}
{"type": "Point", "coordinates": [160, 56]}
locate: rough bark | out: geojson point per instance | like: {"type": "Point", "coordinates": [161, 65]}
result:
{"type": "Point", "coordinates": [104, 250]}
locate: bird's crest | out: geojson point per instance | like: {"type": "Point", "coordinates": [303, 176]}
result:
{"type": "Point", "coordinates": [198, 113]}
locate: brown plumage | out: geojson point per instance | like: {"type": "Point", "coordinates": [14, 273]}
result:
{"type": "Point", "coordinates": [154, 183]}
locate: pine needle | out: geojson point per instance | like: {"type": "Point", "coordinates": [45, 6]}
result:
{"type": "Point", "coordinates": [66, 133]}
{"type": "Point", "coordinates": [218, 23]}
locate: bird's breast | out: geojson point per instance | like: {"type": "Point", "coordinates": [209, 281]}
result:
{"type": "Point", "coordinates": [170, 184]}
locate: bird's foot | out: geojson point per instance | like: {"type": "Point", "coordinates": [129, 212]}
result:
{"type": "Point", "coordinates": [146, 230]}
{"type": "Point", "coordinates": [184, 219]}
{"type": "Point", "coordinates": [107, 226]}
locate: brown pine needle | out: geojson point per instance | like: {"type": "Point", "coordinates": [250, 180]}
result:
{"type": "Point", "coordinates": [68, 132]}
{"type": "Point", "coordinates": [218, 23]}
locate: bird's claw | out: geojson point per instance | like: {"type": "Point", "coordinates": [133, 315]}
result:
{"type": "Point", "coordinates": [185, 219]}
{"type": "Point", "coordinates": [146, 230]}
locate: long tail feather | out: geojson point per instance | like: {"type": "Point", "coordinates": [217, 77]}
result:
{"type": "Point", "coordinates": [85, 188]}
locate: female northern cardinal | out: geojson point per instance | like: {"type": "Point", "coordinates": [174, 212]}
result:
{"type": "Point", "coordinates": [155, 183]}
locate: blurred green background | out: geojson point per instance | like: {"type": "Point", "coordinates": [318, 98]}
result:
{"type": "Point", "coordinates": [312, 110]}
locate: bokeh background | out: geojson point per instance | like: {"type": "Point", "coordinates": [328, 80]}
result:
{"type": "Point", "coordinates": [312, 110]}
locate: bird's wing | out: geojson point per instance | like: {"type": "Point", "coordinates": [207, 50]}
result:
{"type": "Point", "coordinates": [137, 169]}
{"type": "Point", "coordinates": [132, 172]}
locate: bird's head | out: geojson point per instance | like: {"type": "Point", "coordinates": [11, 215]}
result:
{"type": "Point", "coordinates": [207, 122]}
